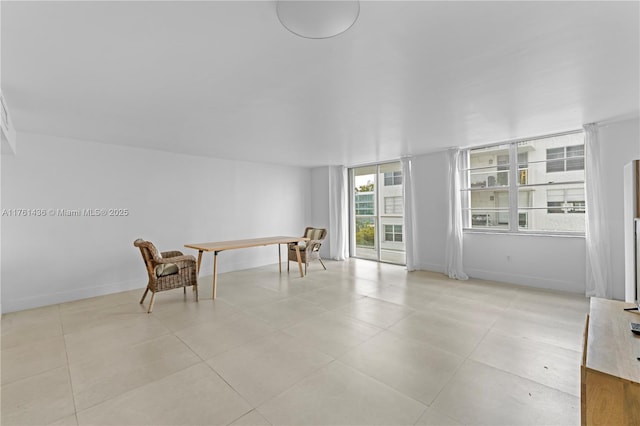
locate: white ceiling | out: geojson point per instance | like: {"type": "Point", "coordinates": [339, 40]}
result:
{"type": "Point", "coordinates": [226, 80]}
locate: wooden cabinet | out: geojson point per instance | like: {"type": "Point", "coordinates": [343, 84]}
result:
{"type": "Point", "coordinates": [610, 371]}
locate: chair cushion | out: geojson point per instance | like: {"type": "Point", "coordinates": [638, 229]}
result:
{"type": "Point", "coordinates": [165, 269]}
{"type": "Point", "coordinates": [314, 234]}
{"type": "Point", "coordinates": [154, 251]}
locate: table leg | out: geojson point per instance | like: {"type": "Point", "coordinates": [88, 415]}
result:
{"type": "Point", "coordinates": [279, 260]}
{"type": "Point", "coordinates": [215, 273]}
{"type": "Point", "coordinates": [299, 260]}
{"type": "Point", "coordinates": [199, 261]}
{"type": "Point", "coordinates": [198, 270]}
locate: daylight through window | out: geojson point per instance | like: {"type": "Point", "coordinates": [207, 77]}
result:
{"type": "Point", "coordinates": [524, 186]}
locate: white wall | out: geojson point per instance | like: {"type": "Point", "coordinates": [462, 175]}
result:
{"type": "Point", "coordinates": [431, 194]}
{"type": "Point", "coordinates": [556, 263]}
{"type": "Point", "coordinates": [533, 260]}
{"type": "Point", "coordinates": [1, 234]}
{"type": "Point", "coordinates": [320, 204]}
{"type": "Point", "coordinates": [172, 199]}
{"type": "Point", "coordinates": [538, 261]}
{"type": "Point", "coordinates": [620, 144]}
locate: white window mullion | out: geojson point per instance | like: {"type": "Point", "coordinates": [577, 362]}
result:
{"type": "Point", "coordinates": [464, 183]}
{"type": "Point", "coordinates": [513, 187]}
{"type": "Point", "coordinates": [378, 222]}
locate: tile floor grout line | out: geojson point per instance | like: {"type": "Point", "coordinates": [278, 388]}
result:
{"type": "Point", "coordinates": [135, 388]}
{"type": "Point", "coordinates": [248, 412]}
{"type": "Point", "coordinates": [230, 386]}
{"type": "Point", "coordinates": [66, 354]}
{"type": "Point", "coordinates": [535, 304]}
{"type": "Point", "coordinates": [302, 379]}
{"type": "Point", "coordinates": [457, 369]}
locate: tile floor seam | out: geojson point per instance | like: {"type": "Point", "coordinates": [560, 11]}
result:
{"type": "Point", "coordinates": [508, 372]}
{"type": "Point", "coordinates": [449, 381]}
{"type": "Point", "coordinates": [316, 370]}
{"type": "Point", "coordinates": [535, 303]}
{"type": "Point", "coordinates": [387, 385]}
{"type": "Point", "coordinates": [66, 353]}
{"type": "Point", "coordinates": [286, 325]}
{"type": "Point", "coordinates": [211, 367]}
{"type": "Point", "coordinates": [427, 408]}
{"type": "Point", "coordinates": [39, 372]}
{"type": "Point", "coordinates": [422, 343]}
{"type": "Point", "coordinates": [322, 367]}
{"type": "Point", "coordinates": [193, 350]}
{"type": "Point", "coordinates": [263, 416]}
{"type": "Point", "coordinates": [92, 308]}
{"type": "Point", "coordinates": [238, 418]}
{"type": "Point", "coordinates": [397, 321]}
{"type": "Point", "coordinates": [380, 382]}
{"type": "Point", "coordinates": [524, 378]}
{"type": "Point", "coordinates": [133, 389]}
{"type": "Point", "coordinates": [534, 340]}
{"type": "Point", "coordinates": [34, 375]}
{"type": "Point", "coordinates": [456, 370]}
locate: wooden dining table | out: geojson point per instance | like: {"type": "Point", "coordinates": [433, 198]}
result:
{"type": "Point", "coordinates": [219, 246]}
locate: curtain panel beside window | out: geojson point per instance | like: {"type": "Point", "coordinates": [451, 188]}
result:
{"type": "Point", "coordinates": [454, 245]}
{"type": "Point", "coordinates": [409, 214]}
{"type": "Point", "coordinates": [598, 262]}
{"type": "Point", "coordinates": [338, 213]}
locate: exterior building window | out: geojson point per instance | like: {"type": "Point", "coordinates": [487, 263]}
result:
{"type": "Point", "coordinates": [566, 158]}
{"type": "Point", "coordinates": [364, 203]}
{"type": "Point", "coordinates": [393, 178]}
{"type": "Point", "coordinates": [532, 185]}
{"type": "Point", "coordinates": [393, 205]}
{"type": "Point", "coordinates": [565, 201]}
{"type": "Point", "coordinates": [393, 233]}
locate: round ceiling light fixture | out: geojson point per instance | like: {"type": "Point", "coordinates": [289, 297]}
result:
{"type": "Point", "coordinates": [318, 19]}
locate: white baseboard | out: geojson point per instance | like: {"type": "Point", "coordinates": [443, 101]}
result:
{"type": "Point", "coordinates": [529, 281]}
{"type": "Point", "coordinates": [430, 267]}
{"type": "Point", "coordinates": [518, 279]}
{"type": "Point", "coordinates": [39, 300]}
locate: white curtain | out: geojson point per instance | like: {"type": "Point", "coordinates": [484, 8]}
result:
{"type": "Point", "coordinates": [599, 274]}
{"type": "Point", "coordinates": [409, 213]}
{"type": "Point", "coordinates": [453, 253]}
{"type": "Point", "coordinates": [338, 213]}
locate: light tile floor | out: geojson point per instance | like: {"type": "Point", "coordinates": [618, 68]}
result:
{"type": "Point", "coordinates": [361, 343]}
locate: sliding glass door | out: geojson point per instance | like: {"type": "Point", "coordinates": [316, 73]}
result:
{"type": "Point", "coordinates": [377, 212]}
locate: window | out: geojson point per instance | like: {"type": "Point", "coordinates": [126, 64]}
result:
{"type": "Point", "coordinates": [376, 214]}
{"type": "Point", "coordinates": [564, 159]}
{"type": "Point", "coordinates": [393, 178]}
{"type": "Point", "coordinates": [393, 233]}
{"type": "Point", "coordinates": [570, 200]}
{"type": "Point", "coordinates": [393, 205]}
{"type": "Point", "coordinates": [518, 187]}
{"type": "Point", "coordinates": [364, 204]}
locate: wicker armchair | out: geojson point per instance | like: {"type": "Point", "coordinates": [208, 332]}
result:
{"type": "Point", "coordinates": [309, 250]}
{"type": "Point", "coordinates": [167, 270]}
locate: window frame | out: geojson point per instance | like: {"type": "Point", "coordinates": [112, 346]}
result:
{"type": "Point", "coordinates": [397, 208]}
{"type": "Point", "coordinates": [514, 178]}
{"type": "Point", "coordinates": [395, 177]}
{"type": "Point", "coordinates": [566, 159]}
{"type": "Point", "coordinates": [567, 206]}
{"type": "Point", "coordinates": [394, 233]}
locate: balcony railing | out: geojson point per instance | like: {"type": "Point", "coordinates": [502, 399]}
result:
{"type": "Point", "coordinates": [498, 178]}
